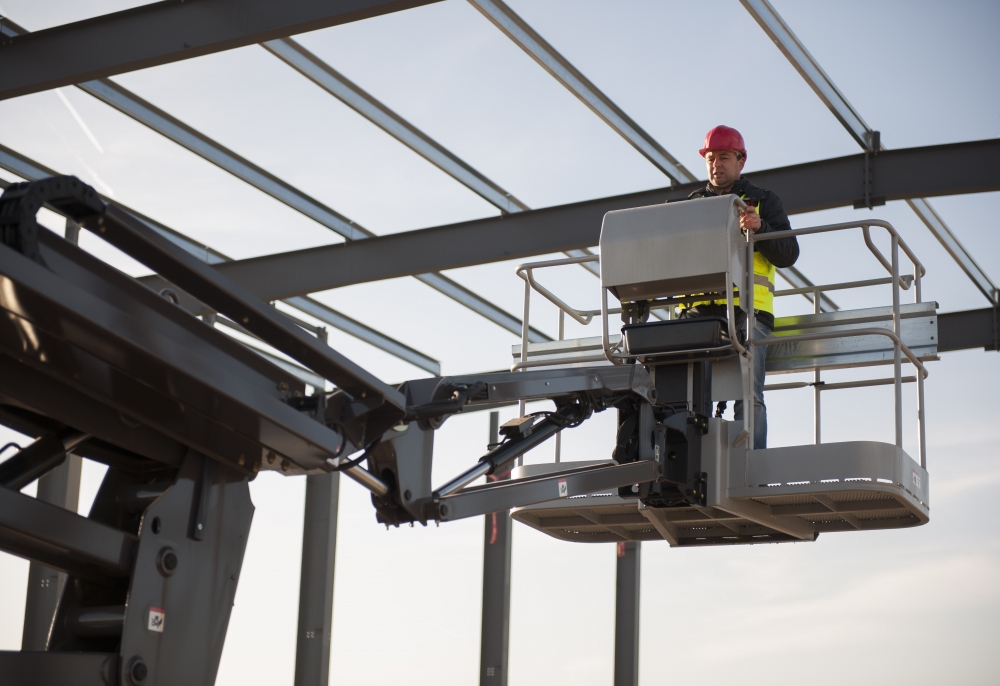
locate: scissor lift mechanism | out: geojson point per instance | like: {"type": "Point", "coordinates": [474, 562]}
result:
{"type": "Point", "coordinates": [184, 417]}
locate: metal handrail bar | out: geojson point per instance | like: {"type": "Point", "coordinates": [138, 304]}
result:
{"type": "Point", "coordinates": [918, 267]}
{"type": "Point", "coordinates": [824, 386]}
{"type": "Point", "coordinates": [526, 272]}
{"type": "Point", "coordinates": [840, 286]}
{"type": "Point", "coordinates": [524, 364]}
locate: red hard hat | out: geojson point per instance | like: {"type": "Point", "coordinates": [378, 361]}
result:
{"type": "Point", "coordinates": [724, 138]}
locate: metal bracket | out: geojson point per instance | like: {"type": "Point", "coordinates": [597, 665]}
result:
{"type": "Point", "coordinates": [871, 150]}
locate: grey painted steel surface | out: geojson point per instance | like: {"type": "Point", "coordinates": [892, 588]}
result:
{"type": "Point", "coordinates": [969, 329]}
{"type": "Point", "coordinates": [627, 588]}
{"type": "Point", "coordinates": [868, 139]}
{"type": "Point", "coordinates": [222, 372]}
{"type": "Point", "coordinates": [764, 496]}
{"type": "Point", "coordinates": [672, 249]}
{"type": "Point", "coordinates": [476, 500]}
{"type": "Point", "coordinates": [60, 487]}
{"type": "Point", "coordinates": [319, 551]}
{"type": "Point", "coordinates": [495, 636]}
{"type": "Point", "coordinates": [164, 32]}
{"type": "Point", "coordinates": [549, 58]}
{"type": "Point", "coordinates": [30, 170]}
{"type": "Point", "coordinates": [197, 596]}
{"type": "Point", "coordinates": [183, 269]}
{"type": "Point", "coordinates": [61, 539]}
{"type": "Point", "coordinates": [898, 174]}
{"type": "Point", "coordinates": [58, 669]}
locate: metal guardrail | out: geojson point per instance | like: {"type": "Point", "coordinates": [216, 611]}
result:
{"type": "Point", "coordinates": [898, 281]}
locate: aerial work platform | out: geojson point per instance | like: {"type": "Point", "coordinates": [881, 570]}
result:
{"type": "Point", "coordinates": [184, 417]}
{"type": "Point", "coordinates": [653, 259]}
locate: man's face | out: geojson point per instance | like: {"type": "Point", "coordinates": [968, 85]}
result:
{"type": "Point", "coordinates": [724, 167]}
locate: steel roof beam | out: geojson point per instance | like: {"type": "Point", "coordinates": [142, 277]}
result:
{"type": "Point", "coordinates": [352, 95]}
{"type": "Point", "coordinates": [864, 135]}
{"type": "Point", "coordinates": [951, 169]}
{"type": "Point", "coordinates": [164, 32]}
{"type": "Point", "coordinates": [30, 170]}
{"type": "Point", "coordinates": [161, 122]}
{"type": "Point", "coordinates": [156, 119]}
{"type": "Point", "coordinates": [579, 85]}
{"type": "Point", "coordinates": [339, 86]}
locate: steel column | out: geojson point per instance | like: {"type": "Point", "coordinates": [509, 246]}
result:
{"type": "Point", "coordinates": [627, 615]}
{"type": "Point", "coordinates": [495, 641]}
{"type": "Point", "coordinates": [868, 139]}
{"type": "Point", "coordinates": [319, 546]}
{"type": "Point", "coordinates": [61, 487]}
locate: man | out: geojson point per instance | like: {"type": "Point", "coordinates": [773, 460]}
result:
{"type": "Point", "coordinates": [725, 155]}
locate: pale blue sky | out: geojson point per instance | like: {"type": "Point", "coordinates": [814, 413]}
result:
{"type": "Point", "coordinates": [897, 607]}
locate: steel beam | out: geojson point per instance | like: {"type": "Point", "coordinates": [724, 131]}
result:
{"type": "Point", "coordinates": [32, 171]}
{"type": "Point", "coordinates": [579, 85]}
{"type": "Point", "coordinates": [198, 143]}
{"type": "Point", "coordinates": [969, 329]}
{"type": "Point", "coordinates": [319, 549]}
{"type": "Point", "coordinates": [933, 221]}
{"type": "Point", "coordinates": [153, 117]}
{"type": "Point", "coordinates": [352, 95]}
{"type": "Point", "coordinates": [627, 615]}
{"type": "Point", "coordinates": [868, 139]}
{"type": "Point", "coordinates": [164, 32]}
{"type": "Point", "coordinates": [495, 637]}
{"type": "Point", "coordinates": [362, 102]}
{"type": "Point", "coordinates": [951, 169]}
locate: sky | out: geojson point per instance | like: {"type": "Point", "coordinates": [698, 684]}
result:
{"type": "Point", "coordinates": [915, 606]}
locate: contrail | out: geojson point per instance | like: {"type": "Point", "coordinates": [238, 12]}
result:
{"type": "Point", "coordinates": [79, 120]}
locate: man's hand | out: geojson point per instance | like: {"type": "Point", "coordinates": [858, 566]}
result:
{"type": "Point", "coordinates": [749, 219]}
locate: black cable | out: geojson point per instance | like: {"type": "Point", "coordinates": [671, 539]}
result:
{"type": "Point", "coordinates": [355, 462]}
{"type": "Point", "coordinates": [10, 445]}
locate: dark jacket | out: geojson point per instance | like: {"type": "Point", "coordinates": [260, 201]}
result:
{"type": "Point", "coordinates": [782, 252]}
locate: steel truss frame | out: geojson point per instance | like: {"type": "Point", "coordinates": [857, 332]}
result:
{"type": "Point", "coordinates": [216, 34]}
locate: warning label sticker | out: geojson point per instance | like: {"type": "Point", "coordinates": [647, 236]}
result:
{"type": "Point", "coordinates": [156, 617]}
{"type": "Point", "coordinates": [563, 488]}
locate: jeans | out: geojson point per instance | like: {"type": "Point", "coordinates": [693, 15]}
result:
{"type": "Point", "coordinates": [759, 409]}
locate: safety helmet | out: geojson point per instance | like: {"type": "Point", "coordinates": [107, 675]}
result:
{"type": "Point", "coordinates": [724, 138]}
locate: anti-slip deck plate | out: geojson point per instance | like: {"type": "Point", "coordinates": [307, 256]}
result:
{"type": "Point", "coordinates": [854, 486]}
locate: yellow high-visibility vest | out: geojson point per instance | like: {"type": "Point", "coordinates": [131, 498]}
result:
{"type": "Point", "coordinates": [763, 284]}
